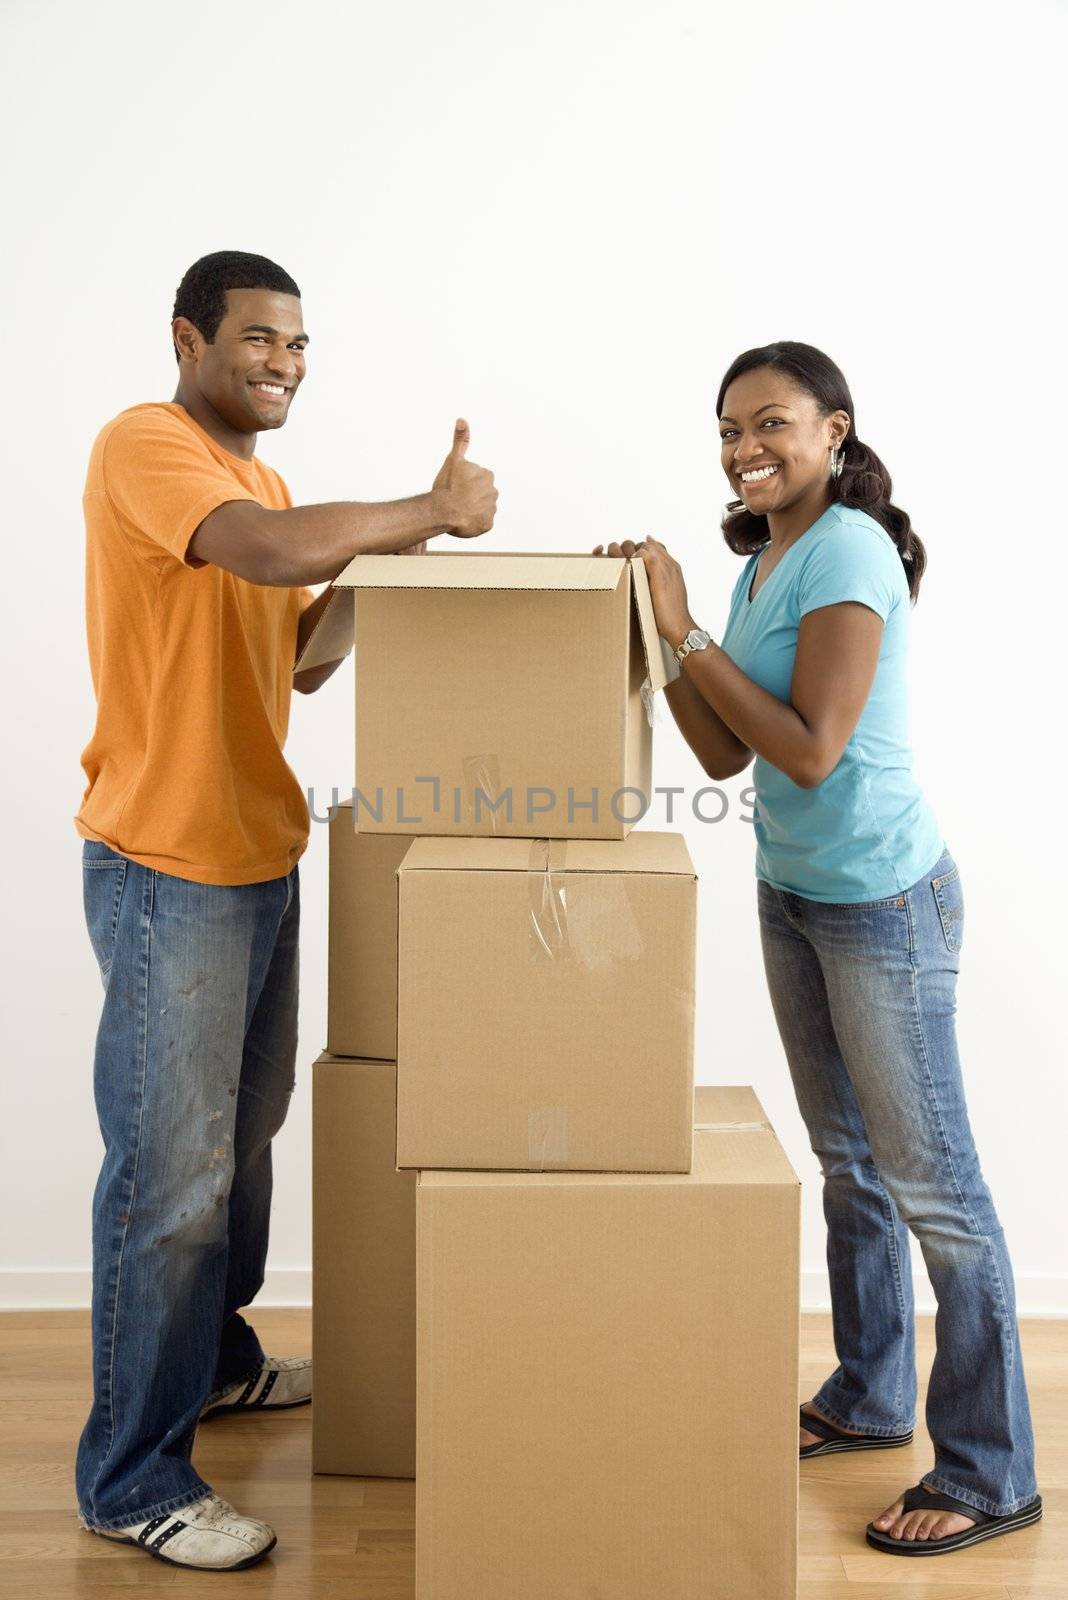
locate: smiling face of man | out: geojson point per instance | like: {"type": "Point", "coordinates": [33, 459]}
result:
{"type": "Point", "coordinates": [253, 367]}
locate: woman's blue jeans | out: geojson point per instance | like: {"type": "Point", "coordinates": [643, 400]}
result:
{"type": "Point", "coordinates": [864, 998]}
{"type": "Point", "coordinates": [195, 1059]}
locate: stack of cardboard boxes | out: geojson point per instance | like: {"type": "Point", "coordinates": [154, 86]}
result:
{"type": "Point", "coordinates": [540, 1286]}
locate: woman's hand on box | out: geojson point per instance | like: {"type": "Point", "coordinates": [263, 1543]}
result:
{"type": "Point", "coordinates": [667, 586]}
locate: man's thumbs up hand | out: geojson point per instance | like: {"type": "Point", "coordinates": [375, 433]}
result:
{"type": "Point", "coordinates": [464, 492]}
{"type": "Point", "coordinates": [461, 438]}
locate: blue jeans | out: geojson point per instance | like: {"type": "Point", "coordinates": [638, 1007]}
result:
{"type": "Point", "coordinates": [195, 1059]}
{"type": "Point", "coordinates": [864, 998]}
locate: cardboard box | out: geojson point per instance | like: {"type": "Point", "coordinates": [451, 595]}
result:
{"type": "Point", "coordinates": [545, 1004]}
{"type": "Point", "coordinates": [363, 1275]}
{"type": "Point", "coordinates": [362, 981]}
{"type": "Point", "coordinates": [498, 694]}
{"type": "Point", "coordinates": [607, 1377]}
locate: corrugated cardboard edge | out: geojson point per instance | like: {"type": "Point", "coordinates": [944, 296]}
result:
{"type": "Point", "coordinates": [334, 634]}
{"type": "Point", "coordinates": [659, 656]}
{"type": "Point", "coordinates": [497, 569]}
{"type": "Point", "coordinates": [655, 853]}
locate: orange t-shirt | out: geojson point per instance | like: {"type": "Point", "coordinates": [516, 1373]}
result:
{"type": "Point", "coordinates": [192, 665]}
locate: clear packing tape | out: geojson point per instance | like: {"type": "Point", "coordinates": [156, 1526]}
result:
{"type": "Point", "coordinates": [482, 777]}
{"type": "Point", "coordinates": [586, 923]}
{"type": "Point", "coordinates": [732, 1127]}
{"type": "Point", "coordinates": [581, 917]}
{"type": "Point", "coordinates": [648, 701]}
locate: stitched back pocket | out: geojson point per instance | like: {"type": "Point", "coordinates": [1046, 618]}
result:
{"type": "Point", "coordinates": [949, 898]}
{"type": "Point", "coordinates": [103, 879]}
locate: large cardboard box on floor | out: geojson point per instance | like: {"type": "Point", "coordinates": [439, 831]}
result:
{"type": "Point", "coordinates": [607, 1376]}
{"type": "Point", "coordinates": [362, 980]}
{"type": "Point", "coordinates": [545, 1004]}
{"type": "Point", "coordinates": [498, 694]}
{"type": "Point", "coordinates": [363, 1275]}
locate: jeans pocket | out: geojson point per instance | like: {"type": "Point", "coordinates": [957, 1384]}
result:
{"type": "Point", "coordinates": [103, 879]}
{"type": "Point", "coordinates": [949, 898]}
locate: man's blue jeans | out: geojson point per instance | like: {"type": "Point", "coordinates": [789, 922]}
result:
{"type": "Point", "coordinates": [195, 1059]}
{"type": "Point", "coordinates": [864, 998]}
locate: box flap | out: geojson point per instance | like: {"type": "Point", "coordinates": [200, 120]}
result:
{"type": "Point", "coordinates": [373, 1064]}
{"type": "Point", "coordinates": [641, 851]}
{"type": "Point", "coordinates": [500, 570]}
{"type": "Point", "coordinates": [332, 637]}
{"type": "Point", "coordinates": [659, 656]}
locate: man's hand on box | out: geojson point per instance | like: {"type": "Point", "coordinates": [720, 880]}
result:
{"type": "Point", "coordinates": [465, 493]}
{"type": "Point", "coordinates": [667, 586]}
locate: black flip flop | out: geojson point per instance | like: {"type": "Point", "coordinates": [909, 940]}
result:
{"type": "Point", "coordinates": [985, 1527]}
{"type": "Point", "coordinates": [835, 1439]}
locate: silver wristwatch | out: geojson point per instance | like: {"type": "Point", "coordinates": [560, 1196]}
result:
{"type": "Point", "coordinates": [696, 639]}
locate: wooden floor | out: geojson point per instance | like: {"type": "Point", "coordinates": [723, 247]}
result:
{"type": "Point", "coordinates": [352, 1539]}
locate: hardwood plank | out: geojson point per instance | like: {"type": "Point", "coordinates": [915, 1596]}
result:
{"type": "Point", "coordinates": [986, 1563]}
{"type": "Point", "coordinates": [917, 1591]}
{"type": "Point", "coordinates": [352, 1539]}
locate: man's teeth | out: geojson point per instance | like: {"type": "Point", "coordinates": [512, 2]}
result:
{"type": "Point", "coordinates": [270, 388]}
{"type": "Point", "coordinates": [762, 472]}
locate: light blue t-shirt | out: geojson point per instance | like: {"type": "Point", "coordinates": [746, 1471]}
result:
{"type": "Point", "coordinates": [866, 832]}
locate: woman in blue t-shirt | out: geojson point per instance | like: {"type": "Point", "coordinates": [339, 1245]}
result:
{"type": "Point", "coordinates": [861, 917]}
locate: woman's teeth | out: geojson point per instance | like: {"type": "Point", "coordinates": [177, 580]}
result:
{"type": "Point", "coordinates": [762, 472]}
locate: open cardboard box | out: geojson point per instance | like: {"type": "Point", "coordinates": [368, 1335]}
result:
{"type": "Point", "coordinates": [502, 694]}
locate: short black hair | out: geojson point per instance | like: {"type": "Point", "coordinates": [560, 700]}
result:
{"type": "Point", "coordinates": [201, 294]}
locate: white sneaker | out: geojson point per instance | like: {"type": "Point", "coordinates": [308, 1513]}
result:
{"type": "Point", "coordinates": [209, 1534]}
{"type": "Point", "coordinates": [276, 1386]}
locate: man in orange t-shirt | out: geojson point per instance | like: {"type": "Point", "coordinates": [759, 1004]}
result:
{"type": "Point", "coordinates": [197, 564]}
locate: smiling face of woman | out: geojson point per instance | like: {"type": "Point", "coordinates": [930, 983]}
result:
{"type": "Point", "coordinates": [775, 443]}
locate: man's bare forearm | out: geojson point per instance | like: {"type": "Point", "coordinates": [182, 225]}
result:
{"type": "Point", "coordinates": [311, 544]}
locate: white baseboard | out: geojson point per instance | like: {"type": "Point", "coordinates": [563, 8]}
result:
{"type": "Point", "coordinates": [70, 1291]}
{"type": "Point", "coordinates": [1036, 1296]}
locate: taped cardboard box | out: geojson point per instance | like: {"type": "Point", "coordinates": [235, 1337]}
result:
{"type": "Point", "coordinates": [362, 978]}
{"type": "Point", "coordinates": [363, 1275]}
{"type": "Point", "coordinates": [545, 1004]}
{"type": "Point", "coordinates": [498, 694]}
{"type": "Point", "coordinates": [607, 1376]}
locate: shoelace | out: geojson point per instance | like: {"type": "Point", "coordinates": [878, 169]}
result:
{"type": "Point", "coordinates": [211, 1506]}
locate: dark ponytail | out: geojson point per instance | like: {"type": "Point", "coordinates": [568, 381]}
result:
{"type": "Point", "coordinates": [864, 481]}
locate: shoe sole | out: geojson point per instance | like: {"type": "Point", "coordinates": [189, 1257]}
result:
{"type": "Point", "coordinates": [827, 1446]}
{"type": "Point", "coordinates": [188, 1566]}
{"type": "Point", "coordinates": [226, 1411]}
{"type": "Point", "coordinates": [936, 1547]}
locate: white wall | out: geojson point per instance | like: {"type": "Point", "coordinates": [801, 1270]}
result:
{"type": "Point", "coordinates": [563, 222]}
